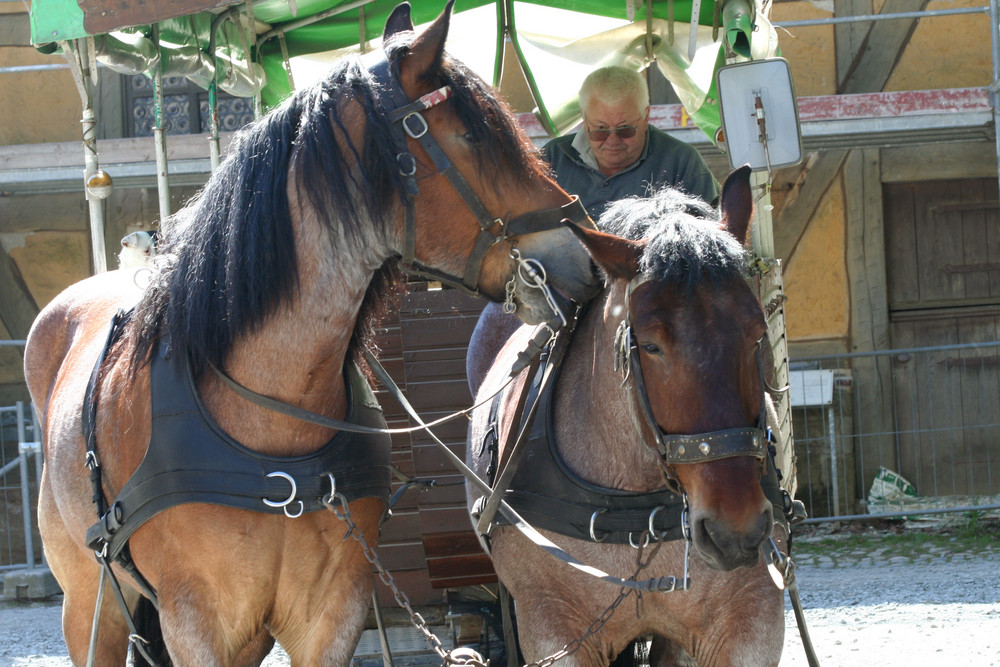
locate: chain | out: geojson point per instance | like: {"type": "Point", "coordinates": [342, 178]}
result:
{"type": "Point", "coordinates": [510, 288]}
{"type": "Point", "coordinates": [532, 274]}
{"type": "Point", "coordinates": [773, 305]}
{"type": "Point", "coordinates": [595, 627]}
{"type": "Point", "coordinates": [337, 503]}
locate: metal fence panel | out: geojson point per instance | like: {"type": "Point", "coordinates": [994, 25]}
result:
{"type": "Point", "coordinates": [926, 416]}
{"type": "Point", "coordinates": [20, 475]}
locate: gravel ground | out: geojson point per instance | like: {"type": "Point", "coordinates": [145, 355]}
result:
{"type": "Point", "coordinates": [931, 606]}
{"type": "Point", "coordinates": [865, 606]}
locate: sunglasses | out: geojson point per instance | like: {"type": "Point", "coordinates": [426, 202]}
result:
{"type": "Point", "coordinates": [623, 132]}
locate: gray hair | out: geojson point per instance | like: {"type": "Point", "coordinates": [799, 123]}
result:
{"type": "Point", "coordinates": [614, 83]}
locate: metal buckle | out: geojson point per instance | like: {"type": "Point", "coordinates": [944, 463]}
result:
{"type": "Point", "coordinates": [407, 163]}
{"type": "Point", "coordinates": [645, 540]}
{"type": "Point", "coordinates": [778, 565]}
{"type": "Point", "coordinates": [658, 536]}
{"type": "Point", "coordinates": [419, 129]}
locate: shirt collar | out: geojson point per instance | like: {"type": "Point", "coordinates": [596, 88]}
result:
{"type": "Point", "coordinates": [582, 146]}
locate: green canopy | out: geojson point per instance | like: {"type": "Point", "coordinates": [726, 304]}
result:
{"type": "Point", "coordinates": [557, 42]}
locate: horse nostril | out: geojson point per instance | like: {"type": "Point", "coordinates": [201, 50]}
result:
{"type": "Point", "coordinates": [757, 532]}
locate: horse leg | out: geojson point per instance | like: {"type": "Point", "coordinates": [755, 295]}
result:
{"type": "Point", "coordinates": [326, 587]}
{"type": "Point", "coordinates": [254, 653]}
{"type": "Point", "coordinates": [331, 635]}
{"type": "Point", "coordinates": [79, 576]}
{"type": "Point", "coordinates": [737, 620]}
{"type": "Point", "coordinates": [664, 652]}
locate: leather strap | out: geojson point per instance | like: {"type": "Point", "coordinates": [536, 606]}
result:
{"type": "Point", "coordinates": [655, 584]}
{"type": "Point", "coordinates": [405, 120]}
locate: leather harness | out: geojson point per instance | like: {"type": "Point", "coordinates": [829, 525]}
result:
{"type": "Point", "coordinates": [191, 460]}
{"type": "Point", "coordinates": [549, 495]}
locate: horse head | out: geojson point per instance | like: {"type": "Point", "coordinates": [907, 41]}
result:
{"type": "Point", "coordinates": [690, 337]}
{"type": "Point", "coordinates": [492, 199]}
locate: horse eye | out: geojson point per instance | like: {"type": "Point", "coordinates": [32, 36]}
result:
{"type": "Point", "coordinates": [650, 348]}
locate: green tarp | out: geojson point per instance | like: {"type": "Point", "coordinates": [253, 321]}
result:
{"type": "Point", "coordinates": [557, 41]}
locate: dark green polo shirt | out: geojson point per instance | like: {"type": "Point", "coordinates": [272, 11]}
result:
{"type": "Point", "coordinates": [664, 161]}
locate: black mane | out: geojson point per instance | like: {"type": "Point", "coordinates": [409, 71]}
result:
{"type": "Point", "coordinates": [227, 259]}
{"type": "Point", "coordinates": [685, 244]}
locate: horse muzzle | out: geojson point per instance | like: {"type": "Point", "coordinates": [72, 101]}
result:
{"type": "Point", "coordinates": [725, 546]}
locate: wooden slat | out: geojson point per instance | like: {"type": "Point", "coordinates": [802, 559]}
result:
{"type": "Point", "coordinates": [459, 566]}
{"type": "Point", "coordinates": [402, 526]}
{"type": "Point", "coordinates": [415, 583]}
{"type": "Point", "coordinates": [458, 582]}
{"type": "Point", "coordinates": [444, 519]}
{"type": "Point", "coordinates": [451, 544]}
{"type": "Point", "coordinates": [401, 556]}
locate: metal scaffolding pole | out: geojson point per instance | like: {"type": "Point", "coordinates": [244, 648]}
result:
{"type": "Point", "coordinates": [159, 134]}
{"type": "Point", "coordinates": [995, 86]}
{"type": "Point", "coordinates": [97, 185]}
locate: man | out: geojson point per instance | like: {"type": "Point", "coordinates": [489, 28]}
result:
{"type": "Point", "coordinates": [616, 154]}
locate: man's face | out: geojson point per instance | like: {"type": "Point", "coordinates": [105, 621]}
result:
{"type": "Point", "coordinates": [614, 153]}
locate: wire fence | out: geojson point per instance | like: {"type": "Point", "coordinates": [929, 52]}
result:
{"type": "Point", "coordinates": [20, 475]}
{"type": "Point", "coordinates": [903, 432]}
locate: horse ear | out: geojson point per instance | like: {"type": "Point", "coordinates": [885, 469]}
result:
{"type": "Point", "coordinates": [618, 257]}
{"type": "Point", "coordinates": [736, 203]}
{"type": "Point", "coordinates": [427, 49]}
{"type": "Point", "coordinates": [399, 21]}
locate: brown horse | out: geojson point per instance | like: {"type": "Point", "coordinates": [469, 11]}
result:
{"type": "Point", "coordinates": [655, 421]}
{"type": "Point", "coordinates": [264, 276]}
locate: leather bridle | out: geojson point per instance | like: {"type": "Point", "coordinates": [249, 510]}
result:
{"type": "Point", "coordinates": [404, 116]}
{"type": "Point", "coordinates": [686, 448]}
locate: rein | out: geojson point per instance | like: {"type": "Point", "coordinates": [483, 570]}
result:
{"type": "Point", "coordinates": [406, 120]}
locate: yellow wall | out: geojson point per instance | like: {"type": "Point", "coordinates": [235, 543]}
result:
{"type": "Point", "coordinates": [808, 50]}
{"type": "Point", "coordinates": [65, 256]}
{"type": "Point", "coordinates": [946, 51]}
{"type": "Point", "coordinates": [39, 106]}
{"type": "Point", "coordinates": [816, 276]}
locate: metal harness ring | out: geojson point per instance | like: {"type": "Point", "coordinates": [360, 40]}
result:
{"type": "Point", "coordinates": [593, 518]}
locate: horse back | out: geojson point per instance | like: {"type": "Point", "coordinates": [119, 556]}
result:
{"type": "Point", "coordinates": [493, 329]}
{"type": "Point", "coordinates": [68, 334]}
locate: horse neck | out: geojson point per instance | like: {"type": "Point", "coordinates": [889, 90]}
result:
{"type": "Point", "coordinates": [298, 353]}
{"type": "Point", "coordinates": [598, 426]}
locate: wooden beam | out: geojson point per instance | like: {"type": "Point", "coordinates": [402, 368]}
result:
{"type": "Point", "coordinates": [949, 162]}
{"type": "Point", "coordinates": [866, 275]}
{"type": "Point", "coordinates": [866, 268]}
{"type": "Point", "coordinates": [849, 37]}
{"type": "Point", "coordinates": [17, 307]}
{"type": "Point", "coordinates": [881, 48]}
{"type": "Point", "coordinates": [796, 213]}
{"type": "Point", "coordinates": [65, 211]}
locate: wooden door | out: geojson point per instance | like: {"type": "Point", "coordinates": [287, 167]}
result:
{"type": "Point", "coordinates": [943, 274]}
